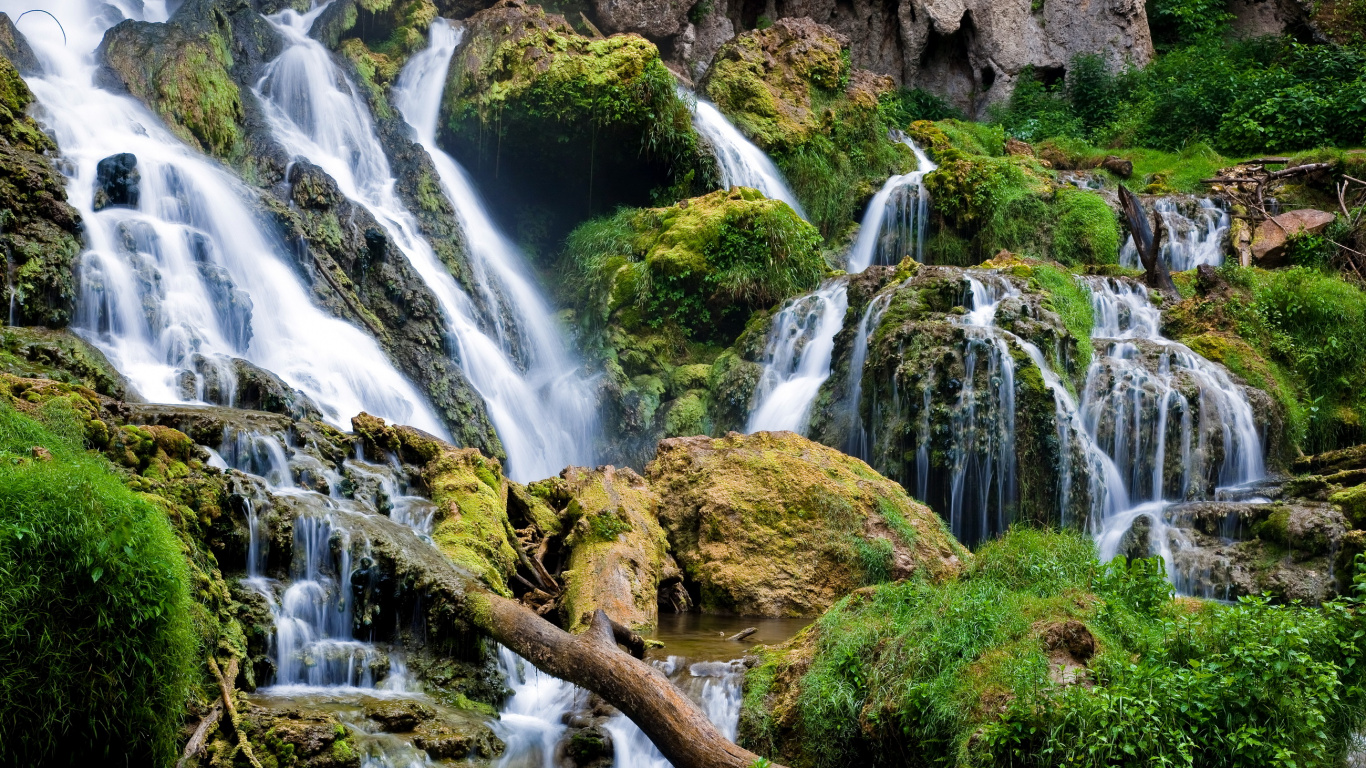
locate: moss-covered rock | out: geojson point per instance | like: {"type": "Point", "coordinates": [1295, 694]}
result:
{"type": "Point", "coordinates": [772, 524]}
{"type": "Point", "coordinates": [33, 352]}
{"type": "Point", "coordinates": [562, 126]}
{"type": "Point", "coordinates": [618, 552]}
{"type": "Point", "coordinates": [38, 229]}
{"type": "Point", "coordinates": [790, 88]}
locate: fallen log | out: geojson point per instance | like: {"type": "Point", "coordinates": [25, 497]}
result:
{"type": "Point", "coordinates": [225, 681]}
{"type": "Point", "coordinates": [1157, 275]}
{"type": "Point", "coordinates": [1300, 169]}
{"type": "Point", "coordinates": [201, 735]}
{"type": "Point", "coordinates": [742, 634]}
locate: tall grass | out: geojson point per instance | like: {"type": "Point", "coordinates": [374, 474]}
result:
{"type": "Point", "coordinates": [96, 642]}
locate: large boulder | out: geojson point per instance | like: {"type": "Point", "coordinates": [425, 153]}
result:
{"type": "Point", "coordinates": [1271, 236]}
{"type": "Point", "coordinates": [773, 524]}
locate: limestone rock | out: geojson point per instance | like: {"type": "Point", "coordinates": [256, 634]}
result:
{"type": "Point", "coordinates": [619, 553]}
{"type": "Point", "coordinates": [1268, 242]}
{"type": "Point", "coordinates": [1018, 148]}
{"type": "Point", "coordinates": [1259, 18]}
{"type": "Point", "coordinates": [649, 18]}
{"type": "Point", "coordinates": [773, 524]}
{"type": "Point", "coordinates": [15, 47]}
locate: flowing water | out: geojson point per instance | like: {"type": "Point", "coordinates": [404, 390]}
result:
{"type": "Point", "coordinates": [533, 397]}
{"type": "Point", "coordinates": [897, 219]}
{"type": "Point", "coordinates": [742, 163]}
{"type": "Point", "coordinates": [190, 277]}
{"type": "Point", "coordinates": [858, 442]}
{"type": "Point", "coordinates": [797, 358]}
{"type": "Point", "coordinates": [1191, 240]}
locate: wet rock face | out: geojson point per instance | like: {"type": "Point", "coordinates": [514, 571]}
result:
{"type": "Point", "coordinates": [117, 181]}
{"type": "Point", "coordinates": [773, 524]}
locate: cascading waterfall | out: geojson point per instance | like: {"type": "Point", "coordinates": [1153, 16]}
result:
{"type": "Point", "coordinates": [188, 278]}
{"type": "Point", "coordinates": [858, 443]}
{"type": "Point", "coordinates": [537, 405]}
{"type": "Point", "coordinates": [797, 359]}
{"type": "Point", "coordinates": [1190, 241]}
{"type": "Point", "coordinates": [742, 163]}
{"type": "Point", "coordinates": [1176, 406]}
{"type": "Point", "coordinates": [897, 219]}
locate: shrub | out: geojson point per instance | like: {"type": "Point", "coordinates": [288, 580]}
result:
{"type": "Point", "coordinates": [96, 644]}
{"type": "Point", "coordinates": [1187, 21]}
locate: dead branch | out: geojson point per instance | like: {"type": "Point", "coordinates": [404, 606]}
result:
{"type": "Point", "coordinates": [225, 685]}
{"type": "Point", "coordinates": [742, 634]}
{"type": "Point", "coordinates": [1157, 274]}
{"type": "Point", "coordinates": [201, 734]}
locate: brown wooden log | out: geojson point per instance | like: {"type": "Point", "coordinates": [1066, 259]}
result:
{"type": "Point", "coordinates": [742, 634]}
{"type": "Point", "coordinates": [592, 660]}
{"type": "Point", "coordinates": [1300, 169]}
{"type": "Point", "coordinates": [201, 735]}
{"type": "Point", "coordinates": [225, 683]}
{"type": "Point", "coordinates": [1157, 274]}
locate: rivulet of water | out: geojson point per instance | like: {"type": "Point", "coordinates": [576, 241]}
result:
{"type": "Point", "coordinates": [897, 219]}
{"type": "Point", "coordinates": [742, 163]}
{"type": "Point", "coordinates": [801, 343]}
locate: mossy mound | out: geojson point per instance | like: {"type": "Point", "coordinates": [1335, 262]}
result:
{"type": "Point", "coordinates": [38, 229]}
{"type": "Point", "coordinates": [469, 490]}
{"type": "Point", "coordinates": [1039, 655]}
{"type": "Point", "coordinates": [661, 292]}
{"type": "Point", "coordinates": [791, 89]}
{"type": "Point", "coordinates": [773, 524]}
{"type": "Point", "coordinates": [35, 352]}
{"type": "Point", "coordinates": [985, 201]}
{"type": "Point", "coordinates": [562, 126]}
{"type": "Point", "coordinates": [618, 552]}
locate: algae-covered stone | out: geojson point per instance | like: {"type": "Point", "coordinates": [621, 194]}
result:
{"type": "Point", "coordinates": [773, 524]}
{"type": "Point", "coordinates": [618, 551]}
{"type": "Point", "coordinates": [567, 125]}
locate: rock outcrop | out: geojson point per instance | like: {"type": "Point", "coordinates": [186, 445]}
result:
{"type": "Point", "coordinates": [772, 524]}
{"type": "Point", "coordinates": [1271, 236]}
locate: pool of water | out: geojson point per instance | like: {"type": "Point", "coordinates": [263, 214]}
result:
{"type": "Point", "coordinates": [699, 637]}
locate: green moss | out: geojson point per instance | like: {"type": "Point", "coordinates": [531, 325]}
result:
{"type": "Point", "coordinates": [1086, 230]}
{"type": "Point", "coordinates": [102, 572]}
{"type": "Point", "coordinates": [1072, 301]}
{"type": "Point", "coordinates": [687, 415]}
{"type": "Point", "coordinates": [1353, 504]}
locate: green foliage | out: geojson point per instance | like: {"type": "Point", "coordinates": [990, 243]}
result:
{"type": "Point", "coordinates": [962, 673]}
{"type": "Point", "coordinates": [1086, 231]}
{"type": "Point", "coordinates": [606, 526]}
{"type": "Point", "coordinates": [1187, 21]}
{"type": "Point", "coordinates": [1243, 97]}
{"type": "Point", "coordinates": [902, 107]}
{"type": "Point", "coordinates": [1072, 301]}
{"type": "Point", "coordinates": [96, 643]}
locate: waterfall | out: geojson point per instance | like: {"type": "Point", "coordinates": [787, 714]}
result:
{"type": "Point", "coordinates": [1148, 400]}
{"type": "Point", "coordinates": [857, 442]}
{"type": "Point", "coordinates": [1190, 241]}
{"type": "Point", "coordinates": [540, 409]}
{"type": "Point", "coordinates": [742, 163]}
{"type": "Point", "coordinates": [897, 219]}
{"type": "Point", "coordinates": [190, 276]}
{"type": "Point", "coordinates": [801, 343]}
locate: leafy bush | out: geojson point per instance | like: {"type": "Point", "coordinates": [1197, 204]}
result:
{"type": "Point", "coordinates": [96, 644]}
{"type": "Point", "coordinates": [1187, 21]}
{"type": "Point", "coordinates": [963, 673]}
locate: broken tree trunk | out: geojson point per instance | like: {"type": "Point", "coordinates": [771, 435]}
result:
{"type": "Point", "coordinates": [1157, 275]}
{"type": "Point", "coordinates": [592, 660]}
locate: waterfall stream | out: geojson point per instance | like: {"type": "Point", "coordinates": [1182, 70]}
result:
{"type": "Point", "coordinates": [1191, 240]}
{"type": "Point", "coordinates": [538, 406]}
{"type": "Point", "coordinates": [189, 277]}
{"type": "Point", "coordinates": [742, 163]}
{"type": "Point", "coordinates": [898, 218]}
{"type": "Point", "coordinates": [796, 361]}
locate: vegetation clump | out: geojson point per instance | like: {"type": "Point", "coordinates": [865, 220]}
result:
{"type": "Point", "coordinates": [97, 642]}
{"type": "Point", "coordinates": [1041, 655]}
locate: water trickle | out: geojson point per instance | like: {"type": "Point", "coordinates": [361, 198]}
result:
{"type": "Point", "coordinates": [797, 359]}
{"type": "Point", "coordinates": [539, 407]}
{"type": "Point", "coordinates": [897, 219]}
{"type": "Point", "coordinates": [742, 163]}
{"type": "Point", "coordinates": [1190, 241]}
{"type": "Point", "coordinates": [190, 272]}
{"type": "Point", "coordinates": [857, 441]}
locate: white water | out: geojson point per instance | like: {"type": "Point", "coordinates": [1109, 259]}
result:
{"type": "Point", "coordinates": [317, 113]}
{"type": "Point", "coordinates": [1139, 416]}
{"type": "Point", "coordinates": [897, 219]}
{"type": "Point", "coordinates": [552, 415]}
{"type": "Point", "coordinates": [742, 163]}
{"type": "Point", "coordinates": [1189, 242]}
{"type": "Point", "coordinates": [532, 722]}
{"type": "Point", "coordinates": [191, 271]}
{"type": "Point", "coordinates": [797, 359]}
{"type": "Point", "coordinates": [858, 442]}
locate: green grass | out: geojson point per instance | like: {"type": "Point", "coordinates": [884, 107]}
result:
{"type": "Point", "coordinates": [97, 649]}
{"type": "Point", "coordinates": [915, 674]}
{"type": "Point", "coordinates": [1072, 301]}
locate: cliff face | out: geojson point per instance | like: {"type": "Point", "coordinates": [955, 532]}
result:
{"type": "Point", "coordinates": [969, 51]}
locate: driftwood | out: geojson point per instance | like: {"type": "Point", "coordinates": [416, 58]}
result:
{"type": "Point", "coordinates": [742, 634]}
{"type": "Point", "coordinates": [225, 681]}
{"type": "Point", "coordinates": [201, 735]}
{"type": "Point", "coordinates": [592, 660]}
{"type": "Point", "coordinates": [1157, 275]}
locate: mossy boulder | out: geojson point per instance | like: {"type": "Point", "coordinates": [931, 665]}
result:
{"type": "Point", "coordinates": [35, 352]}
{"type": "Point", "coordinates": [773, 524]}
{"type": "Point", "coordinates": [469, 490]}
{"type": "Point", "coordinates": [790, 88]}
{"type": "Point", "coordinates": [618, 553]}
{"type": "Point", "coordinates": [38, 229]}
{"type": "Point", "coordinates": [562, 126]}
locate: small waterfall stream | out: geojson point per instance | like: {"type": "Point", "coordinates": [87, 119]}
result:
{"type": "Point", "coordinates": [189, 278]}
{"type": "Point", "coordinates": [796, 361]}
{"type": "Point", "coordinates": [316, 113]}
{"type": "Point", "coordinates": [898, 218]}
{"type": "Point", "coordinates": [1190, 241]}
{"type": "Point", "coordinates": [742, 163]}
